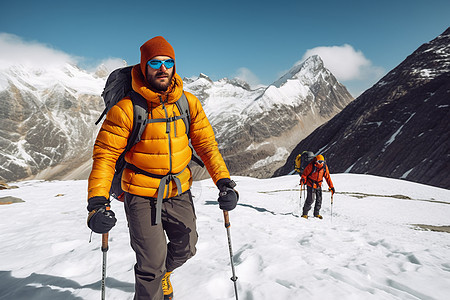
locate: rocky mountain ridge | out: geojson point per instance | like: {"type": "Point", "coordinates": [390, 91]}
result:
{"type": "Point", "coordinates": [46, 120]}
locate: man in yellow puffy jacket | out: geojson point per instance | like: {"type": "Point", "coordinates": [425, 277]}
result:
{"type": "Point", "coordinates": [156, 180]}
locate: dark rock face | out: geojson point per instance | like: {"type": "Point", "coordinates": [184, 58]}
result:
{"type": "Point", "coordinates": [399, 128]}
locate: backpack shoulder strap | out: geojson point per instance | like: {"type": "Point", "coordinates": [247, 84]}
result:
{"type": "Point", "coordinates": [325, 168]}
{"type": "Point", "coordinates": [183, 106]}
{"type": "Point", "coordinates": [313, 169]}
{"type": "Point", "coordinates": [140, 115]}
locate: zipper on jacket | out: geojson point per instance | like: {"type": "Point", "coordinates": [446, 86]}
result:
{"type": "Point", "coordinates": [168, 134]}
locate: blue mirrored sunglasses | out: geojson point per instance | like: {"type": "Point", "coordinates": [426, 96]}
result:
{"type": "Point", "coordinates": [320, 162]}
{"type": "Point", "coordinates": [156, 63]}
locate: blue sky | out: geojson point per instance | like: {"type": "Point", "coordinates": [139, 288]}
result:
{"type": "Point", "coordinates": [256, 40]}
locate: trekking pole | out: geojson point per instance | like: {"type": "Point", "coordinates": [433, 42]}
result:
{"type": "Point", "coordinates": [227, 226]}
{"type": "Point", "coordinates": [332, 206]}
{"type": "Point", "coordinates": [104, 250]}
{"type": "Point", "coordinates": [105, 247]}
{"type": "Point", "coordinates": [301, 190]}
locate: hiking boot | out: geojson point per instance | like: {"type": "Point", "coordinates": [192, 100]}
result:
{"type": "Point", "coordinates": [318, 216]}
{"type": "Point", "coordinates": [305, 216]}
{"type": "Point", "coordinates": [167, 287]}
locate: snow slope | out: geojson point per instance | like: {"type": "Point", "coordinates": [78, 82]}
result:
{"type": "Point", "coordinates": [39, 80]}
{"type": "Point", "coordinates": [368, 249]}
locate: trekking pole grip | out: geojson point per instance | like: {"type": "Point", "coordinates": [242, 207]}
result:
{"type": "Point", "coordinates": [105, 237]}
{"type": "Point", "coordinates": [226, 218]}
{"type": "Point", "coordinates": [105, 246]}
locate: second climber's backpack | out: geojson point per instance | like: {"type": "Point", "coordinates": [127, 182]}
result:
{"type": "Point", "coordinates": [302, 160]}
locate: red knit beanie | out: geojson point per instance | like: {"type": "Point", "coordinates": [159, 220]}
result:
{"type": "Point", "coordinates": [154, 47]}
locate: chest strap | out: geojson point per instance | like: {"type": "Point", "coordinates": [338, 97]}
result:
{"type": "Point", "coordinates": [315, 184]}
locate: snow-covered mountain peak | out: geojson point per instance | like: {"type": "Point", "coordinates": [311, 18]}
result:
{"type": "Point", "coordinates": [300, 85]}
{"type": "Point", "coordinates": [201, 77]}
{"type": "Point", "coordinates": [107, 66]}
{"type": "Point", "coordinates": [204, 76]}
{"type": "Point", "coordinates": [306, 71]}
{"type": "Point", "coordinates": [239, 82]}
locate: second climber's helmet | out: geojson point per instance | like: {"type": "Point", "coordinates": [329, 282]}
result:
{"type": "Point", "coordinates": [319, 160]}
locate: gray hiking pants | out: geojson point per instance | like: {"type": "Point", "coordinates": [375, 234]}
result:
{"type": "Point", "coordinates": [310, 199]}
{"type": "Point", "coordinates": [154, 256]}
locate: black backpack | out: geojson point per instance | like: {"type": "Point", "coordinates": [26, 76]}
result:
{"type": "Point", "coordinates": [302, 160]}
{"type": "Point", "coordinates": [118, 86]}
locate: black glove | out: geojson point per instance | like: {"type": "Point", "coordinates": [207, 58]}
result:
{"type": "Point", "coordinates": [101, 218]}
{"type": "Point", "coordinates": [228, 196]}
{"type": "Point", "coordinates": [332, 190]}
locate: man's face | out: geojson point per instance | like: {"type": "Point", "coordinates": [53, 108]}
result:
{"type": "Point", "coordinates": [159, 79]}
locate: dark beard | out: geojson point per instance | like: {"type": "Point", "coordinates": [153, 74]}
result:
{"type": "Point", "coordinates": [160, 86]}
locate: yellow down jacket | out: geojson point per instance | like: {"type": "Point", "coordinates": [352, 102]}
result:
{"type": "Point", "coordinates": [163, 149]}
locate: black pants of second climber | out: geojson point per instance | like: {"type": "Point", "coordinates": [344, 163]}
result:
{"type": "Point", "coordinates": [154, 256]}
{"type": "Point", "coordinates": [311, 194]}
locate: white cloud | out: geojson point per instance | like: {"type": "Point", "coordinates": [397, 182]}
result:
{"type": "Point", "coordinates": [346, 63]}
{"type": "Point", "coordinates": [248, 76]}
{"type": "Point", "coordinates": [108, 65]}
{"type": "Point", "coordinates": [15, 51]}
{"type": "Point", "coordinates": [113, 63]}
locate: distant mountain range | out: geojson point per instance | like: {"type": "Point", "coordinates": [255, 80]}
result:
{"type": "Point", "coordinates": [399, 128]}
{"type": "Point", "coordinates": [47, 119]}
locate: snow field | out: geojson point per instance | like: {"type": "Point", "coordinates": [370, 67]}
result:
{"type": "Point", "coordinates": [369, 248]}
